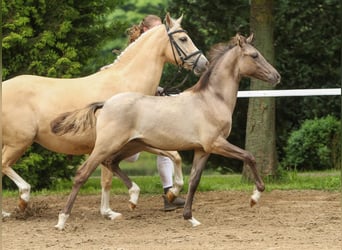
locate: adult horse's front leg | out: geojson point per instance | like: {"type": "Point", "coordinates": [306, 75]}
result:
{"type": "Point", "coordinates": [10, 154]}
{"type": "Point", "coordinates": [133, 188]}
{"type": "Point", "coordinates": [106, 183]}
{"type": "Point", "coordinates": [200, 159]}
{"type": "Point", "coordinates": [224, 148]}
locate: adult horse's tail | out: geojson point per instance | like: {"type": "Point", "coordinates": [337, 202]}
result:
{"type": "Point", "coordinates": [76, 121]}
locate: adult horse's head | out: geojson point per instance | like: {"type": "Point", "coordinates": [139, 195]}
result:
{"type": "Point", "coordinates": [252, 63]}
{"type": "Point", "coordinates": [182, 50]}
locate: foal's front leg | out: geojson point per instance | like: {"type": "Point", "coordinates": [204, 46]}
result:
{"type": "Point", "coordinates": [223, 147]}
{"type": "Point", "coordinates": [200, 159]}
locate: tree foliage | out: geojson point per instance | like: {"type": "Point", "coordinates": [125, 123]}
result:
{"type": "Point", "coordinates": [308, 47]}
{"type": "Point", "coordinates": [53, 38]}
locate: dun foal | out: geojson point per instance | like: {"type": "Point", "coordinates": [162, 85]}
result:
{"type": "Point", "coordinates": [198, 119]}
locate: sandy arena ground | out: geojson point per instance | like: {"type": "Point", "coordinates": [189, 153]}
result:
{"type": "Point", "coordinates": [304, 220]}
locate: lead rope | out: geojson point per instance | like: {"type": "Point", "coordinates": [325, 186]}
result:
{"type": "Point", "coordinates": [173, 90]}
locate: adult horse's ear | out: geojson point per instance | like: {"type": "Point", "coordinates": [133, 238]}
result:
{"type": "Point", "coordinates": [179, 20]}
{"type": "Point", "coordinates": [250, 39]}
{"type": "Point", "coordinates": [168, 21]}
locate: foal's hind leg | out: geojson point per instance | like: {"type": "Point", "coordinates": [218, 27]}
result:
{"type": "Point", "coordinates": [81, 177]}
{"type": "Point", "coordinates": [10, 155]}
{"type": "Point", "coordinates": [200, 159]}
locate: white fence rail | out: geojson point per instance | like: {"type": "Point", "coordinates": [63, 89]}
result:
{"type": "Point", "coordinates": [289, 92]}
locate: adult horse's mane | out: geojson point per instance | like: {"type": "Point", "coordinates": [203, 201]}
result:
{"type": "Point", "coordinates": [133, 44]}
{"type": "Point", "coordinates": [216, 52]}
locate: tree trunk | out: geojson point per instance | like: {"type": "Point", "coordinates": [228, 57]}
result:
{"type": "Point", "coordinates": [260, 129]}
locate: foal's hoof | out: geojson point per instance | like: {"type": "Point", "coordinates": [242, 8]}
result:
{"type": "Point", "coordinates": [252, 202]}
{"type": "Point", "coordinates": [255, 197]}
{"type": "Point", "coordinates": [132, 206]}
{"type": "Point", "coordinates": [5, 214]}
{"type": "Point", "coordinates": [194, 222]}
{"type": "Point", "coordinates": [22, 205]}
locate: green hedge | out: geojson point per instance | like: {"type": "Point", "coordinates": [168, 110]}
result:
{"type": "Point", "coordinates": [42, 168]}
{"type": "Point", "coordinates": [314, 146]}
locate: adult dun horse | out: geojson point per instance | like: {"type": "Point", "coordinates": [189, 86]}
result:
{"type": "Point", "coordinates": [30, 103]}
{"type": "Point", "coordinates": [198, 119]}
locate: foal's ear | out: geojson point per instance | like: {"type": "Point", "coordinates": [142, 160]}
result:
{"type": "Point", "coordinates": [250, 39]}
{"type": "Point", "coordinates": [239, 40]}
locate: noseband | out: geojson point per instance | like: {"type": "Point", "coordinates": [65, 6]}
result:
{"type": "Point", "coordinates": [183, 56]}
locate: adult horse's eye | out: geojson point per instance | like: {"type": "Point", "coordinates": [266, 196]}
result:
{"type": "Point", "coordinates": [183, 39]}
{"type": "Point", "coordinates": [254, 55]}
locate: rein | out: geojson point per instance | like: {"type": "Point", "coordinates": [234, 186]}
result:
{"type": "Point", "coordinates": [184, 57]}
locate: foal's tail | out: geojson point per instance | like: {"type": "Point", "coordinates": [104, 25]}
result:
{"type": "Point", "coordinates": [76, 121]}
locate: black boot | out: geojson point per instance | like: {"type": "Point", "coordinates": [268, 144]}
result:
{"type": "Point", "coordinates": [178, 202]}
{"type": "Point", "coordinates": [170, 206]}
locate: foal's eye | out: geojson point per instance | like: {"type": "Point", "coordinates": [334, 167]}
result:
{"type": "Point", "coordinates": [183, 39]}
{"type": "Point", "coordinates": [254, 55]}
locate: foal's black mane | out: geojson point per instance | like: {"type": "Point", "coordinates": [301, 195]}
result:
{"type": "Point", "coordinates": [215, 54]}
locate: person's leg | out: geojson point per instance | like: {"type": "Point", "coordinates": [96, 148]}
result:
{"type": "Point", "coordinates": [132, 158]}
{"type": "Point", "coordinates": [165, 169]}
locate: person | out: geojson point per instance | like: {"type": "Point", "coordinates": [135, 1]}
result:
{"type": "Point", "coordinates": [164, 164]}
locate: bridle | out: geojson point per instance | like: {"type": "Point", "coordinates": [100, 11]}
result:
{"type": "Point", "coordinates": [184, 57]}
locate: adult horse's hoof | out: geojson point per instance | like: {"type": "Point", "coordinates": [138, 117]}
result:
{"type": "Point", "coordinates": [132, 206]}
{"type": "Point", "coordinates": [134, 196]}
{"type": "Point", "coordinates": [170, 196]}
{"type": "Point", "coordinates": [110, 214]}
{"type": "Point", "coordinates": [22, 204]}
